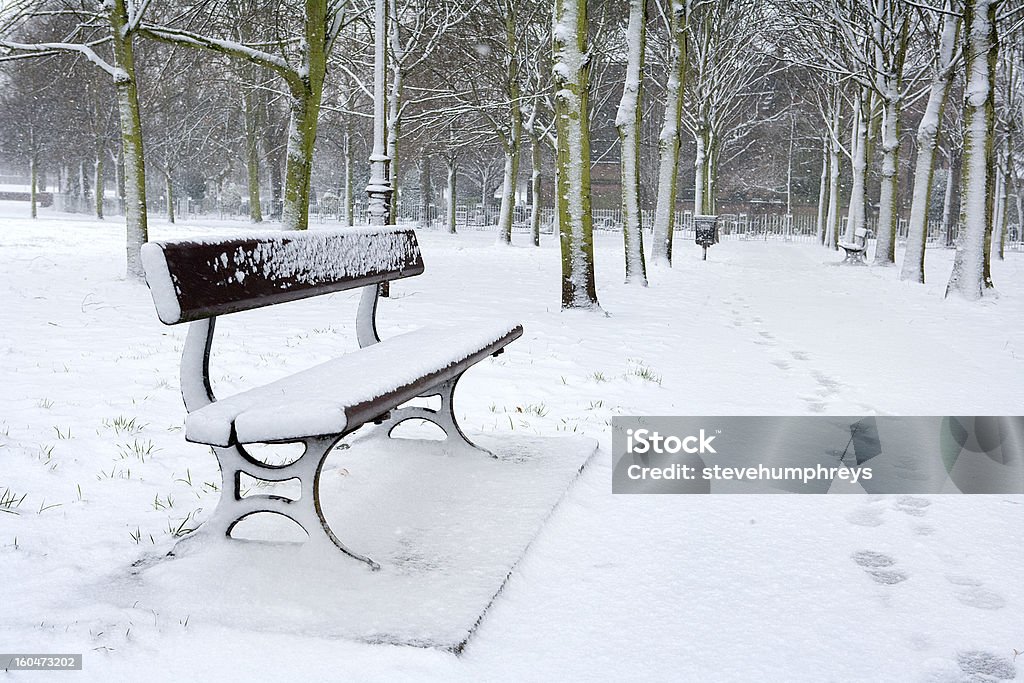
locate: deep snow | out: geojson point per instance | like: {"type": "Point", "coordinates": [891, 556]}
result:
{"type": "Point", "coordinates": [736, 588]}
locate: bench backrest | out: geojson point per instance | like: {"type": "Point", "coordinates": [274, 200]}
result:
{"type": "Point", "coordinates": [194, 279]}
{"type": "Point", "coordinates": [861, 232]}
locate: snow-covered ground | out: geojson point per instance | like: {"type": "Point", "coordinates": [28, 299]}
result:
{"type": "Point", "coordinates": [701, 588]}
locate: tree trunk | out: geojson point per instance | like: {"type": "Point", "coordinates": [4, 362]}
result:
{"type": "Point", "coordinates": [711, 174]}
{"type": "Point", "coordinates": [510, 172]}
{"type": "Point", "coordinates": [33, 172]}
{"type": "Point", "coordinates": [556, 221]}
{"type": "Point", "coordinates": [305, 110]}
{"type": "Point", "coordinates": [627, 121]}
{"type": "Point", "coordinates": [485, 182]}
{"type": "Point", "coordinates": [169, 185]}
{"type": "Point", "coordinates": [668, 143]}
{"type": "Point", "coordinates": [700, 165]}
{"type": "Point", "coordinates": [97, 183]}
{"type": "Point", "coordinates": [952, 174]}
{"type": "Point", "coordinates": [858, 149]}
{"type": "Point", "coordinates": [573, 133]}
{"type": "Point", "coordinates": [822, 193]}
{"type": "Point", "coordinates": [426, 192]}
{"type": "Point", "coordinates": [117, 158]}
{"type": "Point", "coordinates": [536, 188]}
{"type": "Point", "coordinates": [348, 200]}
{"type": "Point", "coordinates": [83, 188]}
{"type": "Point", "coordinates": [885, 245]}
{"type": "Point", "coordinates": [252, 156]}
{"type": "Point", "coordinates": [452, 164]}
{"type": "Point", "coordinates": [272, 134]}
{"type": "Point", "coordinates": [1019, 196]}
{"type": "Point", "coordinates": [513, 141]}
{"type": "Point", "coordinates": [927, 141]}
{"type": "Point", "coordinates": [136, 222]}
{"type": "Point", "coordinates": [971, 277]}
{"type": "Point", "coordinates": [306, 89]}
{"type": "Point", "coordinates": [834, 160]}
{"type": "Point", "coordinates": [1001, 201]}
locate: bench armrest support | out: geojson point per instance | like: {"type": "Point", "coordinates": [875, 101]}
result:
{"type": "Point", "coordinates": [195, 365]}
{"type": "Point", "coordinates": [366, 316]}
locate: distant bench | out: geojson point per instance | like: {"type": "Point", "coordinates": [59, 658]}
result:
{"type": "Point", "coordinates": [856, 250]}
{"type": "Point", "coordinates": [197, 280]}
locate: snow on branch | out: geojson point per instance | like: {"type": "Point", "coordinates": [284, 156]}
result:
{"type": "Point", "coordinates": [136, 10]}
{"type": "Point", "coordinates": [931, 8]}
{"type": "Point", "coordinates": [42, 49]}
{"type": "Point", "coordinates": [335, 21]}
{"type": "Point", "coordinates": [226, 47]}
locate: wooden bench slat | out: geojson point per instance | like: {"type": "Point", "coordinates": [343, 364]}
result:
{"type": "Point", "coordinates": [342, 394]}
{"type": "Point", "coordinates": [200, 278]}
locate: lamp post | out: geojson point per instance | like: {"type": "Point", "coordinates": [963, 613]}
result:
{"type": "Point", "coordinates": [379, 188]}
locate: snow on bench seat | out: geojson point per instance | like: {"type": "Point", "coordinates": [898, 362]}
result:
{"type": "Point", "coordinates": [342, 394]}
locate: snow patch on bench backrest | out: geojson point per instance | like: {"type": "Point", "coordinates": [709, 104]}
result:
{"type": "Point", "coordinates": [199, 278]}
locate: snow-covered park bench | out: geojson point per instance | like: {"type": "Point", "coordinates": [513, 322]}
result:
{"type": "Point", "coordinates": [199, 279]}
{"type": "Point", "coordinates": [856, 250]}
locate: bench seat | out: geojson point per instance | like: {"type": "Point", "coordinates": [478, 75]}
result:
{"type": "Point", "coordinates": [338, 396]}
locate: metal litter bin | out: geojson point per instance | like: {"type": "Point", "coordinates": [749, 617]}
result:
{"type": "Point", "coordinates": [705, 232]}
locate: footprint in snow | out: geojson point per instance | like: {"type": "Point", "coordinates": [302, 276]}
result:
{"type": "Point", "coordinates": [972, 594]}
{"type": "Point", "coordinates": [960, 580]}
{"type": "Point", "coordinates": [981, 598]}
{"type": "Point", "coordinates": [814, 405]}
{"type": "Point", "coordinates": [781, 364]}
{"type": "Point", "coordinates": [879, 567]}
{"type": "Point", "coordinates": [828, 385]}
{"type": "Point", "coordinates": [866, 516]}
{"type": "Point", "coordinates": [985, 666]}
{"type": "Point", "coordinates": [887, 577]}
{"type": "Point", "coordinates": [800, 355]}
{"type": "Point", "coordinates": [915, 507]}
{"type": "Point", "coordinates": [869, 559]}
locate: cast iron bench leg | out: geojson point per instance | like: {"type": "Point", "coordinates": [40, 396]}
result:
{"type": "Point", "coordinates": [443, 417]}
{"type": "Point", "coordinates": [305, 511]}
{"type": "Point", "coordinates": [854, 255]}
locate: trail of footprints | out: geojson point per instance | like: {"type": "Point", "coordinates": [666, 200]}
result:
{"type": "Point", "coordinates": [883, 569]}
{"type": "Point", "coordinates": [827, 387]}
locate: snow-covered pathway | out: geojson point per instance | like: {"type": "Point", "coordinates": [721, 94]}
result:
{"type": "Point", "coordinates": [616, 587]}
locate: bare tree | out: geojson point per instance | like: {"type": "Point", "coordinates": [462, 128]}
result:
{"type": "Point", "coordinates": [575, 220]}
{"type": "Point", "coordinates": [675, 13]}
{"type": "Point", "coordinates": [971, 276]}
{"type": "Point", "coordinates": [727, 58]}
{"type": "Point", "coordinates": [301, 61]}
{"type": "Point", "coordinates": [628, 123]}
{"type": "Point", "coordinates": [103, 32]}
{"type": "Point", "coordinates": [942, 31]}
